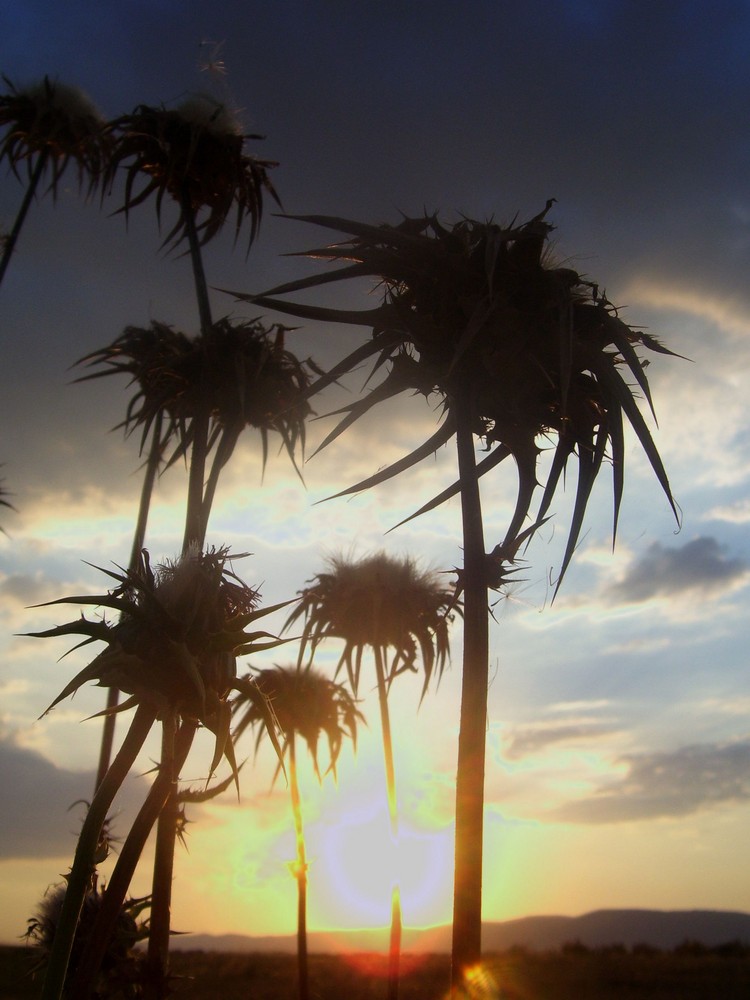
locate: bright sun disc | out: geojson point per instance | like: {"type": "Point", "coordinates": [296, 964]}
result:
{"type": "Point", "coordinates": [361, 861]}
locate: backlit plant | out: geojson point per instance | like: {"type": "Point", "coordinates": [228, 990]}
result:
{"type": "Point", "coordinates": [309, 706]}
{"type": "Point", "coordinates": [393, 608]}
{"type": "Point", "coordinates": [518, 351]}
{"type": "Point", "coordinates": [48, 125]}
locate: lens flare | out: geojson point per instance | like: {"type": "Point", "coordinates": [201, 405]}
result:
{"type": "Point", "coordinates": [479, 984]}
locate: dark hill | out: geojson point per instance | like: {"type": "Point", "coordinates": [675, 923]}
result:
{"type": "Point", "coordinates": [659, 928]}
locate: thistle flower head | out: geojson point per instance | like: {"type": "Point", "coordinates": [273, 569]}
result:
{"type": "Point", "coordinates": [180, 629]}
{"type": "Point", "coordinates": [237, 373]}
{"type": "Point", "coordinates": [304, 703]}
{"type": "Point", "coordinates": [480, 316]}
{"type": "Point", "coordinates": [194, 154]}
{"type": "Point", "coordinates": [381, 602]}
{"type": "Point", "coordinates": [59, 122]}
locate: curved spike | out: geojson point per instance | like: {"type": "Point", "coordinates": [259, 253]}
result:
{"type": "Point", "coordinates": [439, 438]}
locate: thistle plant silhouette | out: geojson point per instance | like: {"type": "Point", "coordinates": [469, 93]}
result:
{"type": "Point", "coordinates": [518, 350]}
{"type": "Point", "coordinates": [307, 706]}
{"type": "Point", "coordinates": [387, 605]}
{"type": "Point", "coordinates": [198, 393]}
{"type": "Point", "coordinates": [48, 126]}
{"type": "Point", "coordinates": [173, 650]}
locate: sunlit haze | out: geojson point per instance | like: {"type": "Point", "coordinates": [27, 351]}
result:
{"type": "Point", "coordinates": [618, 742]}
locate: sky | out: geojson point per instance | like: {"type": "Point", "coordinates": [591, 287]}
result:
{"type": "Point", "coordinates": [618, 738]}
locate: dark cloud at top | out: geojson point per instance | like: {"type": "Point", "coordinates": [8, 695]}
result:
{"type": "Point", "coordinates": [36, 818]}
{"type": "Point", "coordinates": [632, 115]}
{"type": "Point", "coordinates": [700, 565]}
{"type": "Point", "coordinates": [663, 784]}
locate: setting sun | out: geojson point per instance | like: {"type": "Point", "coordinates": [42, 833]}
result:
{"type": "Point", "coordinates": [359, 862]}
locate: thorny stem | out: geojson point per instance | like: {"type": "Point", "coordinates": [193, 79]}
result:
{"type": "Point", "coordinates": [197, 517]}
{"type": "Point", "coordinates": [12, 237]}
{"type": "Point", "coordinates": [196, 520]}
{"type": "Point", "coordinates": [79, 879]}
{"type": "Point", "coordinates": [123, 872]}
{"type": "Point", "coordinates": [467, 896]}
{"type": "Point", "coordinates": [161, 889]}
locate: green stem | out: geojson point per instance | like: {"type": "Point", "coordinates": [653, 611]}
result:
{"type": "Point", "coordinates": [79, 880]}
{"type": "Point", "coordinates": [394, 950]}
{"type": "Point", "coordinates": [12, 237]}
{"type": "Point", "coordinates": [467, 897]}
{"type": "Point", "coordinates": [301, 877]}
{"type": "Point", "coordinates": [127, 861]}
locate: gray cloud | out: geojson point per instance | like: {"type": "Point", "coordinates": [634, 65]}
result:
{"type": "Point", "coordinates": [702, 564]}
{"type": "Point", "coordinates": [665, 784]}
{"type": "Point", "coordinates": [36, 818]}
{"type": "Point", "coordinates": [24, 589]}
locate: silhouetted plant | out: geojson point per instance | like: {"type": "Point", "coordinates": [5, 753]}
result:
{"type": "Point", "coordinates": [121, 971]}
{"type": "Point", "coordinates": [308, 706]}
{"type": "Point", "coordinates": [203, 390]}
{"type": "Point", "coordinates": [384, 604]}
{"type": "Point", "coordinates": [195, 154]}
{"type": "Point", "coordinates": [48, 125]}
{"type": "Point", "coordinates": [173, 650]}
{"type": "Point", "coordinates": [4, 502]}
{"type": "Point", "coordinates": [517, 350]}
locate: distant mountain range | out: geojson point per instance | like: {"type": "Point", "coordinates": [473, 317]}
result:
{"type": "Point", "coordinates": [659, 928]}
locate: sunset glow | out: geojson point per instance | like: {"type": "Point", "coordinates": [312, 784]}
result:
{"type": "Point", "coordinates": [617, 735]}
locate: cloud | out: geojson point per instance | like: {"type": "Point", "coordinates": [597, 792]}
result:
{"type": "Point", "coordinates": [528, 740]}
{"type": "Point", "coordinates": [728, 313]}
{"type": "Point", "coordinates": [700, 565]}
{"type": "Point", "coordinates": [36, 818]}
{"type": "Point", "coordinates": [25, 589]}
{"type": "Point", "coordinates": [735, 513]}
{"type": "Point", "coordinates": [666, 784]}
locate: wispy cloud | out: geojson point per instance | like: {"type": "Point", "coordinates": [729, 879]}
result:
{"type": "Point", "coordinates": [734, 513]}
{"type": "Point", "coordinates": [664, 784]}
{"type": "Point", "coordinates": [525, 741]}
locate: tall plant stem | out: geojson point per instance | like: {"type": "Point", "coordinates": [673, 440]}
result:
{"type": "Point", "coordinates": [127, 861]}
{"type": "Point", "coordinates": [394, 950]}
{"type": "Point", "coordinates": [12, 237]}
{"type": "Point", "coordinates": [467, 894]}
{"type": "Point", "coordinates": [223, 453]}
{"type": "Point", "coordinates": [161, 891]}
{"type": "Point", "coordinates": [300, 872]}
{"type": "Point", "coordinates": [197, 516]}
{"type": "Point", "coordinates": [79, 880]}
{"type": "Point", "coordinates": [113, 695]}
{"type": "Point", "coordinates": [196, 520]}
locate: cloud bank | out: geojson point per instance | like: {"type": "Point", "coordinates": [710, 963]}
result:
{"type": "Point", "coordinates": [667, 784]}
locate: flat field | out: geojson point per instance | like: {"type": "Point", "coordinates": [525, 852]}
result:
{"type": "Point", "coordinates": [512, 976]}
